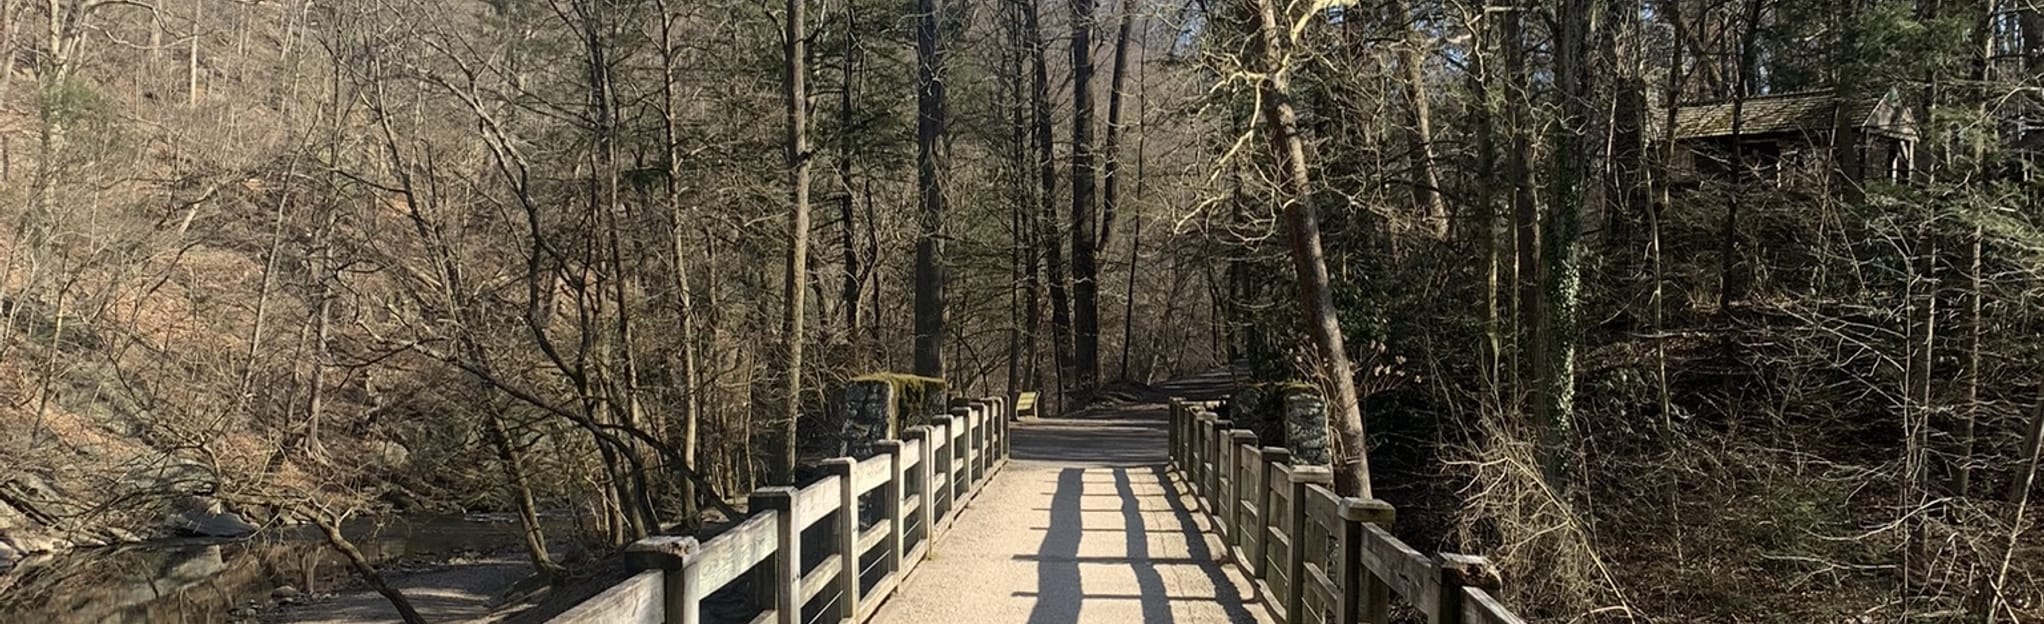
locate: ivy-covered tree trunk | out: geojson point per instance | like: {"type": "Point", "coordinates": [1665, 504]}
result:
{"type": "Point", "coordinates": [1561, 281]}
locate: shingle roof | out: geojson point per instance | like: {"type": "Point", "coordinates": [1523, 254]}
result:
{"type": "Point", "coordinates": [1807, 111]}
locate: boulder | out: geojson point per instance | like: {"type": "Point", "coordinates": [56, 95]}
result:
{"type": "Point", "coordinates": [207, 517]}
{"type": "Point", "coordinates": [389, 455]}
{"type": "Point", "coordinates": [224, 524]}
{"type": "Point", "coordinates": [34, 542]}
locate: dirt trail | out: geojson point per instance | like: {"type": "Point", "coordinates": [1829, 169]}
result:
{"type": "Point", "coordinates": [1081, 527]}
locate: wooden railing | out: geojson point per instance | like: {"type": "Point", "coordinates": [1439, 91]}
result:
{"type": "Point", "coordinates": [1315, 556]}
{"type": "Point", "coordinates": [828, 552]}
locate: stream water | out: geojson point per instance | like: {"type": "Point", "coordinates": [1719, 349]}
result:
{"type": "Point", "coordinates": [214, 580]}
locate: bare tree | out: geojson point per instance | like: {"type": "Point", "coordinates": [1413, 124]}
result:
{"type": "Point", "coordinates": [796, 96]}
{"type": "Point", "coordinates": [1302, 226]}
{"type": "Point", "coordinates": [929, 322]}
{"type": "Point", "coordinates": [1085, 266]}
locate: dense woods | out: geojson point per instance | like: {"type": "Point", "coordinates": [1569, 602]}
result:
{"type": "Point", "coordinates": [1681, 310]}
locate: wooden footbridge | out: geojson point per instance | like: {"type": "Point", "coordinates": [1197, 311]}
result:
{"type": "Point", "coordinates": [1156, 513]}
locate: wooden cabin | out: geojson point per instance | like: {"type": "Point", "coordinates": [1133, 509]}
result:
{"type": "Point", "coordinates": [1790, 141]}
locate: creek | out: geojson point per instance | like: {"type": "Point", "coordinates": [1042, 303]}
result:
{"type": "Point", "coordinates": [216, 580]}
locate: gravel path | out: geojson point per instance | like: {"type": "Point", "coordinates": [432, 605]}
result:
{"type": "Point", "coordinates": [1080, 527]}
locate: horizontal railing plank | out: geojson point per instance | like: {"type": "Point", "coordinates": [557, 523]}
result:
{"type": "Point", "coordinates": [872, 472]}
{"type": "Point", "coordinates": [1479, 607]}
{"type": "Point", "coordinates": [872, 536]}
{"type": "Point", "coordinates": [1323, 507]}
{"type": "Point", "coordinates": [728, 555]}
{"type": "Point", "coordinates": [816, 501]}
{"type": "Point", "coordinates": [819, 579]}
{"type": "Point", "coordinates": [1409, 573]}
{"type": "Point", "coordinates": [635, 601]}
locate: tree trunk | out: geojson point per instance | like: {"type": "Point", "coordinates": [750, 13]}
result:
{"type": "Point", "coordinates": [1110, 192]}
{"type": "Point", "coordinates": [1426, 185]}
{"type": "Point", "coordinates": [1485, 115]}
{"type": "Point", "coordinates": [929, 299]}
{"type": "Point", "coordinates": [1049, 235]}
{"type": "Point", "coordinates": [1991, 591]}
{"type": "Point", "coordinates": [1085, 268]}
{"type": "Point", "coordinates": [796, 98]}
{"type": "Point", "coordinates": [192, 56]}
{"type": "Point", "coordinates": [1562, 279]}
{"type": "Point", "coordinates": [1525, 218]}
{"type": "Point", "coordinates": [849, 296]}
{"type": "Point", "coordinates": [690, 386]}
{"type": "Point", "coordinates": [1664, 201]}
{"type": "Point", "coordinates": [1015, 88]}
{"type": "Point", "coordinates": [1302, 225]}
{"type": "Point", "coordinates": [331, 529]}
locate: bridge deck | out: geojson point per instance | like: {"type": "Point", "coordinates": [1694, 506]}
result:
{"type": "Point", "coordinates": [1080, 527]}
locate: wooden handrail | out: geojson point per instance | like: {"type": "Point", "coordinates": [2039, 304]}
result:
{"type": "Point", "coordinates": [921, 482]}
{"type": "Point", "coordinates": [1308, 549]}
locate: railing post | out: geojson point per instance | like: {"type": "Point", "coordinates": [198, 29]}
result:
{"type": "Point", "coordinates": [1194, 475]}
{"type": "Point", "coordinates": [1365, 599]}
{"type": "Point", "coordinates": [1217, 471]}
{"type": "Point", "coordinates": [891, 502]}
{"type": "Point", "coordinates": [784, 576]}
{"type": "Point", "coordinates": [940, 430]}
{"type": "Point", "coordinates": [926, 516]}
{"type": "Point", "coordinates": [1173, 410]}
{"type": "Point", "coordinates": [1295, 528]}
{"type": "Point", "coordinates": [1266, 500]}
{"type": "Point", "coordinates": [982, 439]}
{"type": "Point", "coordinates": [1459, 571]}
{"type": "Point", "coordinates": [962, 416]}
{"type": "Point", "coordinates": [1238, 440]}
{"type": "Point", "coordinates": [847, 532]}
{"type": "Point", "coordinates": [681, 596]}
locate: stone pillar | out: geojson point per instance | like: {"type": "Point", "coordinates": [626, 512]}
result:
{"type": "Point", "coordinates": [868, 406]}
{"type": "Point", "coordinates": [1305, 413]}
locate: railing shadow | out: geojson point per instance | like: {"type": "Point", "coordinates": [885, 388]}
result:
{"type": "Point", "coordinates": [1062, 592]}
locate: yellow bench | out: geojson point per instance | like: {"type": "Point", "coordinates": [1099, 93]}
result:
{"type": "Point", "coordinates": [1025, 405]}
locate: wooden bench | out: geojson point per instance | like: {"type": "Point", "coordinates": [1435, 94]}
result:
{"type": "Point", "coordinates": [1025, 405]}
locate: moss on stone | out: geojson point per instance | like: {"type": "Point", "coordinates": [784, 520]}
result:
{"type": "Point", "coordinates": [1283, 414]}
{"type": "Point", "coordinates": [915, 398]}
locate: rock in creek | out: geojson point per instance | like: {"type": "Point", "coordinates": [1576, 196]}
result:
{"type": "Point", "coordinates": [207, 517]}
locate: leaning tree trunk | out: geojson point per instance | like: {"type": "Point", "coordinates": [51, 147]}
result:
{"type": "Point", "coordinates": [1989, 594]}
{"type": "Point", "coordinates": [1426, 186]}
{"type": "Point", "coordinates": [1302, 225]}
{"type": "Point", "coordinates": [330, 528]}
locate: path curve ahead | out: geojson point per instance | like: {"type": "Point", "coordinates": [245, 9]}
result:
{"type": "Point", "coordinates": [1081, 526]}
